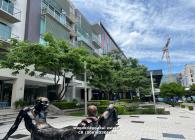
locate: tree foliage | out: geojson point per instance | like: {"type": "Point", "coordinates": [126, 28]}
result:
{"type": "Point", "coordinates": [55, 57]}
{"type": "Point", "coordinates": [114, 74]}
{"type": "Point", "coordinates": [171, 90]}
{"type": "Point", "coordinates": [192, 89]}
{"type": "Point", "coordinates": [109, 74]}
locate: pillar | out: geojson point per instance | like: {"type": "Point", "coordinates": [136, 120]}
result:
{"type": "Point", "coordinates": [17, 90]}
{"type": "Point", "coordinates": [89, 94]}
{"type": "Point", "coordinates": [74, 92]}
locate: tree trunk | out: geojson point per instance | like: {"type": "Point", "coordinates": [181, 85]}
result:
{"type": "Point", "coordinates": [66, 88]}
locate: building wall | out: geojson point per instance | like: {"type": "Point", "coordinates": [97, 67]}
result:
{"type": "Point", "coordinates": [188, 75]}
{"type": "Point", "coordinates": [33, 18]}
{"type": "Point", "coordinates": [107, 42]}
{"type": "Point", "coordinates": [19, 28]}
{"type": "Point", "coordinates": [33, 24]}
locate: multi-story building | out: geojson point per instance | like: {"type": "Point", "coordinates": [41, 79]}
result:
{"type": "Point", "coordinates": [107, 42]}
{"type": "Point", "coordinates": [176, 78]}
{"type": "Point", "coordinates": [28, 20]}
{"type": "Point", "coordinates": [12, 25]}
{"type": "Point", "coordinates": [88, 35]}
{"type": "Point", "coordinates": [188, 75]}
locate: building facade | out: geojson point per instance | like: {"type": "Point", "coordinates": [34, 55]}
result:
{"type": "Point", "coordinates": [187, 76]}
{"type": "Point", "coordinates": [29, 20]}
{"type": "Point", "coordinates": [175, 78]}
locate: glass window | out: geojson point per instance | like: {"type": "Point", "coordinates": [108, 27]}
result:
{"type": "Point", "coordinates": [63, 19]}
{"type": "Point", "coordinates": [5, 31]}
{"type": "Point", "coordinates": [57, 15]}
{"type": "Point", "coordinates": [43, 26]}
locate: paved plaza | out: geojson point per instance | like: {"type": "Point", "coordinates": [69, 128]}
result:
{"type": "Point", "coordinates": [180, 124]}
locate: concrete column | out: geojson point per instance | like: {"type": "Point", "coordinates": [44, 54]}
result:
{"type": "Point", "coordinates": [17, 90]}
{"type": "Point", "coordinates": [74, 92]}
{"type": "Point", "coordinates": [89, 94]}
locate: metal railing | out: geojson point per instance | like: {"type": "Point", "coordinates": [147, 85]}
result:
{"type": "Point", "coordinates": [9, 8]}
{"type": "Point", "coordinates": [85, 39]}
{"type": "Point", "coordinates": [98, 52]}
{"type": "Point", "coordinates": [96, 39]}
{"type": "Point", "coordinates": [56, 15]}
{"type": "Point", "coordinates": [72, 17]}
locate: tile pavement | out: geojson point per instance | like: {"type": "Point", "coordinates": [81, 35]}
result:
{"type": "Point", "coordinates": [173, 126]}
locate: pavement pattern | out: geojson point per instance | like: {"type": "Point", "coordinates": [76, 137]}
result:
{"type": "Point", "coordinates": [180, 124]}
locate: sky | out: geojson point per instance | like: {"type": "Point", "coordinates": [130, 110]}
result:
{"type": "Point", "coordinates": [142, 27]}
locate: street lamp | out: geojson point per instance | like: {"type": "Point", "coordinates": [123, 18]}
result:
{"type": "Point", "coordinates": [85, 81]}
{"type": "Point", "coordinates": [152, 83]}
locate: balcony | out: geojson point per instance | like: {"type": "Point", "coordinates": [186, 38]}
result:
{"type": "Point", "coordinates": [9, 12]}
{"type": "Point", "coordinates": [59, 17]}
{"type": "Point", "coordinates": [73, 33]}
{"type": "Point", "coordinates": [96, 41]}
{"type": "Point", "coordinates": [71, 17]}
{"type": "Point", "coordinates": [98, 52]}
{"type": "Point", "coordinates": [85, 39]}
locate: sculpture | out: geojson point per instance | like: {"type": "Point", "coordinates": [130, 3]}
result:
{"type": "Point", "coordinates": [36, 124]}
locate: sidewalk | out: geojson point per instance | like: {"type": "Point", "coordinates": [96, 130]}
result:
{"type": "Point", "coordinates": [180, 124]}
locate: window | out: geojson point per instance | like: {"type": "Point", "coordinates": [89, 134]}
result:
{"type": "Point", "coordinates": [5, 31]}
{"type": "Point", "coordinates": [57, 15]}
{"type": "Point", "coordinates": [43, 26]}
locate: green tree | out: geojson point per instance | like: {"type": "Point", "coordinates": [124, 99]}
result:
{"type": "Point", "coordinates": [54, 57]}
{"type": "Point", "coordinates": [171, 90]}
{"type": "Point", "coordinates": [192, 89]}
{"type": "Point", "coordinates": [100, 71]}
{"type": "Point", "coordinates": [114, 74]}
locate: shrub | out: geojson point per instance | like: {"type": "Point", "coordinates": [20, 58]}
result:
{"type": "Point", "coordinates": [183, 106]}
{"type": "Point", "coordinates": [173, 104]}
{"type": "Point", "coordinates": [125, 100]}
{"type": "Point", "coordinates": [162, 111]}
{"type": "Point", "coordinates": [151, 111]}
{"type": "Point", "coordinates": [132, 106]}
{"type": "Point", "coordinates": [148, 106]}
{"type": "Point", "coordinates": [101, 102]}
{"type": "Point", "coordinates": [101, 109]}
{"type": "Point", "coordinates": [65, 105]}
{"type": "Point", "coordinates": [20, 103]}
{"type": "Point", "coordinates": [104, 102]}
{"type": "Point", "coordinates": [136, 99]}
{"type": "Point", "coordinates": [190, 107]}
{"type": "Point", "coordinates": [147, 111]}
{"type": "Point", "coordinates": [120, 109]}
{"type": "Point", "coordinates": [75, 101]}
{"type": "Point", "coordinates": [93, 103]}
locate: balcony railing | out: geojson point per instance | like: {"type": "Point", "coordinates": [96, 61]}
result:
{"type": "Point", "coordinates": [96, 41]}
{"type": "Point", "coordinates": [9, 12]}
{"type": "Point", "coordinates": [98, 52]}
{"type": "Point", "coordinates": [85, 39]}
{"type": "Point", "coordinates": [59, 17]}
{"type": "Point", "coordinates": [71, 17]}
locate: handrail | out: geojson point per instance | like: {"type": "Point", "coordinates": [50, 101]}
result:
{"type": "Point", "coordinates": [10, 9]}
{"type": "Point", "coordinates": [59, 17]}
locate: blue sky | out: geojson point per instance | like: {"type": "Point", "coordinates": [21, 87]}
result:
{"type": "Point", "coordinates": [141, 28]}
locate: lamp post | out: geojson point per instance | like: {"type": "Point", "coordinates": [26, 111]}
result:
{"type": "Point", "coordinates": [152, 83]}
{"type": "Point", "coordinates": [85, 81]}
